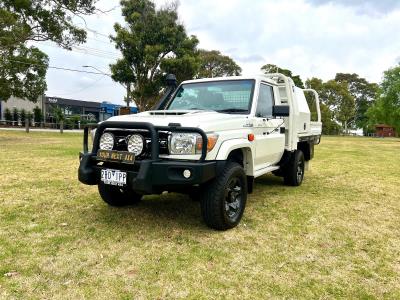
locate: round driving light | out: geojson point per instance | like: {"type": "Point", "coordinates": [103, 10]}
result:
{"type": "Point", "coordinates": [187, 174]}
{"type": "Point", "coordinates": [136, 144]}
{"type": "Point", "coordinates": [107, 141]}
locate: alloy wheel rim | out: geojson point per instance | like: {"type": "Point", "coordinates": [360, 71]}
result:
{"type": "Point", "coordinates": [233, 198]}
{"type": "Point", "coordinates": [300, 170]}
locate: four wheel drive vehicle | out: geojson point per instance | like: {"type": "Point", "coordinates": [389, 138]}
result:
{"type": "Point", "coordinates": [209, 138]}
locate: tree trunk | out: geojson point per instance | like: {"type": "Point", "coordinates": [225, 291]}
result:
{"type": "Point", "coordinates": [128, 93]}
{"type": "Point", "coordinates": [61, 126]}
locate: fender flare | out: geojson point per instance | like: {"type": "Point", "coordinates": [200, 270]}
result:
{"type": "Point", "coordinates": [228, 146]}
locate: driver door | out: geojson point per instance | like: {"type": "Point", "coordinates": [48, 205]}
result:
{"type": "Point", "coordinates": [270, 142]}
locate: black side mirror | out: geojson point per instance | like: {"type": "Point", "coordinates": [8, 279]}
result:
{"type": "Point", "coordinates": [280, 111]}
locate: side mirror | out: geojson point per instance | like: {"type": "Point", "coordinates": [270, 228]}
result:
{"type": "Point", "coordinates": [280, 110]}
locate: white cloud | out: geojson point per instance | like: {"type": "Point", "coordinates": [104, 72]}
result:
{"type": "Point", "coordinates": [310, 37]}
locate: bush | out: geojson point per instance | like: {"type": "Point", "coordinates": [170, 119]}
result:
{"type": "Point", "coordinates": [15, 115]}
{"type": "Point", "coordinates": [8, 116]}
{"type": "Point", "coordinates": [29, 116]}
{"type": "Point", "coordinates": [22, 116]}
{"type": "Point", "coordinates": [37, 115]}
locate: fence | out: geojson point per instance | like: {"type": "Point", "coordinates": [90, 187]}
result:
{"type": "Point", "coordinates": [41, 125]}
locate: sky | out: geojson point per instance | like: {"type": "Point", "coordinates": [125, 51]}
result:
{"type": "Point", "coordinates": [312, 38]}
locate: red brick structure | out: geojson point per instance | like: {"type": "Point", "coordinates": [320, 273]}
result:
{"type": "Point", "coordinates": [383, 130]}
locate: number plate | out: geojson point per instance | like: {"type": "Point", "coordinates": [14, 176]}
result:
{"type": "Point", "coordinates": [117, 156]}
{"type": "Point", "coordinates": [113, 177]}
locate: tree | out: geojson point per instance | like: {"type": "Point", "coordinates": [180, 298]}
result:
{"type": "Point", "coordinates": [58, 114]}
{"type": "Point", "coordinates": [339, 100]}
{"type": "Point", "coordinates": [152, 43]}
{"type": "Point", "coordinates": [23, 68]}
{"type": "Point", "coordinates": [23, 73]}
{"type": "Point", "coordinates": [337, 104]}
{"type": "Point", "coordinates": [386, 109]}
{"type": "Point", "coordinates": [214, 64]}
{"type": "Point", "coordinates": [329, 124]}
{"type": "Point", "coordinates": [364, 94]}
{"type": "Point", "coordinates": [270, 68]}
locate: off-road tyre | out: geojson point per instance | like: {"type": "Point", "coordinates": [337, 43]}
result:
{"type": "Point", "coordinates": [223, 200]}
{"type": "Point", "coordinates": [117, 196]}
{"type": "Point", "coordinates": [294, 170]}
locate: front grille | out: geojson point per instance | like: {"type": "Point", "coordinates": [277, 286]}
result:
{"type": "Point", "coordinates": [121, 141]}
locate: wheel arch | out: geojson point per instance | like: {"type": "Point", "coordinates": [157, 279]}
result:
{"type": "Point", "coordinates": [307, 148]}
{"type": "Point", "coordinates": [240, 151]}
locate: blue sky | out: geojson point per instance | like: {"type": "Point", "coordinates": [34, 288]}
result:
{"type": "Point", "coordinates": [310, 37]}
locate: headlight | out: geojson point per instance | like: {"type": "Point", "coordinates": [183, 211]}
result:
{"type": "Point", "coordinates": [135, 144]}
{"type": "Point", "coordinates": [190, 143]}
{"type": "Point", "coordinates": [183, 143]}
{"type": "Point", "coordinates": [107, 141]}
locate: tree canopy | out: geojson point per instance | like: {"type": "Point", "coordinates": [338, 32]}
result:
{"type": "Point", "coordinates": [364, 94]}
{"type": "Point", "coordinates": [270, 68]}
{"type": "Point", "coordinates": [215, 64]}
{"type": "Point", "coordinates": [386, 109]}
{"type": "Point", "coordinates": [152, 43]}
{"type": "Point", "coordinates": [23, 68]}
{"type": "Point", "coordinates": [337, 104]}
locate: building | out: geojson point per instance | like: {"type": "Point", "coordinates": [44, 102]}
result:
{"type": "Point", "coordinates": [108, 110]}
{"type": "Point", "coordinates": [86, 109]}
{"type": "Point", "coordinates": [383, 130]}
{"type": "Point", "coordinates": [18, 103]}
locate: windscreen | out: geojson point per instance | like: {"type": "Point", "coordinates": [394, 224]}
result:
{"type": "Point", "coordinates": [232, 96]}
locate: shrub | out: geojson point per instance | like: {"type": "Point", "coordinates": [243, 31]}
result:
{"type": "Point", "coordinates": [37, 115]}
{"type": "Point", "coordinates": [29, 116]}
{"type": "Point", "coordinates": [15, 115]}
{"type": "Point", "coordinates": [22, 116]}
{"type": "Point", "coordinates": [8, 116]}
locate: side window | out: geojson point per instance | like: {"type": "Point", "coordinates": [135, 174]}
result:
{"type": "Point", "coordinates": [265, 101]}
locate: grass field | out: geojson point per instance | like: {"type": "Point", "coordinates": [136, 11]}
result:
{"type": "Point", "coordinates": [336, 236]}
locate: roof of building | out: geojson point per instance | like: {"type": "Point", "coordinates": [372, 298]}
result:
{"type": "Point", "coordinates": [383, 126]}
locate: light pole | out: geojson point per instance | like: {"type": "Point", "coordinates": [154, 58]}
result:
{"type": "Point", "coordinates": [127, 87]}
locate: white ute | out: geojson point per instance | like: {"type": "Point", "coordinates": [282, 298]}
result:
{"type": "Point", "coordinates": [213, 137]}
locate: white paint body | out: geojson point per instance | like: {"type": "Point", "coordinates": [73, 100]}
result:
{"type": "Point", "coordinates": [261, 155]}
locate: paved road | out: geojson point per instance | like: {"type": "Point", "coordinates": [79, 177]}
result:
{"type": "Point", "coordinates": [42, 130]}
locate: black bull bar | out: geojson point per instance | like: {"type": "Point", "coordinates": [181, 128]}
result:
{"type": "Point", "coordinates": [153, 130]}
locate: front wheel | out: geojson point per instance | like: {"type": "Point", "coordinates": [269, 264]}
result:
{"type": "Point", "coordinates": [117, 196]}
{"type": "Point", "coordinates": [224, 199]}
{"type": "Point", "coordinates": [294, 171]}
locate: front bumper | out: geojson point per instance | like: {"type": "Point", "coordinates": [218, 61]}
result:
{"type": "Point", "coordinates": [151, 176]}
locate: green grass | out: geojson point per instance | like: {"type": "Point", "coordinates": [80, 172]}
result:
{"type": "Point", "coordinates": [336, 236]}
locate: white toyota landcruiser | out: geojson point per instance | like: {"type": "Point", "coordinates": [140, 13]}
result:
{"type": "Point", "coordinates": [209, 138]}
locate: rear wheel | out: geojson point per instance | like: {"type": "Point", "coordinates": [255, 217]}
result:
{"type": "Point", "coordinates": [294, 171]}
{"type": "Point", "coordinates": [223, 200]}
{"type": "Point", "coordinates": [117, 196]}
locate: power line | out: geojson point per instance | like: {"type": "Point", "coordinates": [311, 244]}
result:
{"type": "Point", "coordinates": [85, 88]}
{"type": "Point", "coordinates": [58, 68]}
{"type": "Point", "coordinates": [80, 49]}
